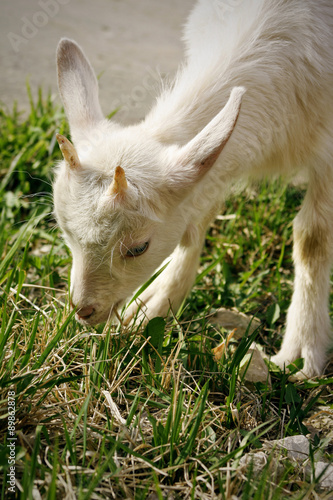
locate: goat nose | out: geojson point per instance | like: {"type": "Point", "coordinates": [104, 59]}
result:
{"type": "Point", "coordinates": [85, 312]}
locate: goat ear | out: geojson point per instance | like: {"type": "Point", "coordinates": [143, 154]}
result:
{"type": "Point", "coordinates": [78, 86]}
{"type": "Point", "coordinates": [199, 155]}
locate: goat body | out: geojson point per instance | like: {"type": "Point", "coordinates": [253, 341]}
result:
{"type": "Point", "coordinates": [254, 98]}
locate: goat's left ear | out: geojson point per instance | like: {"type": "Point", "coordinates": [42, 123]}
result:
{"type": "Point", "coordinates": [78, 87]}
{"type": "Point", "coordinates": [199, 155]}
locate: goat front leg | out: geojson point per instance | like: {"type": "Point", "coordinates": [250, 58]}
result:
{"type": "Point", "coordinates": [308, 330]}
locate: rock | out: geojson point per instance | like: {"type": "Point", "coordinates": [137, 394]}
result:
{"type": "Point", "coordinates": [326, 480]}
{"type": "Point", "coordinates": [297, 446]}
{"type": "Point", "coordinates": [231, 319]}
{"type": "Point", "coordinates": [257, 370]}
{"type": "Point", "coordinates": [259, 460]}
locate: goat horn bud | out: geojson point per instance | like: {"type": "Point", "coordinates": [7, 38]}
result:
{"type": "Point", "coordinates": [68, 152]}
{"type": "Point", "coordinates": [119, 183]}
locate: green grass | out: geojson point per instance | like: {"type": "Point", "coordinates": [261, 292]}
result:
{"type": "Point", "coordinates": [114, 413]}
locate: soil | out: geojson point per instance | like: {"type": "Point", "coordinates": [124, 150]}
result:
{"type": "Point", "coordinates": [130, 44]}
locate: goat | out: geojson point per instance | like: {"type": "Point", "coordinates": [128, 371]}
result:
{"type": "Point", "coordinates": [254, 98]}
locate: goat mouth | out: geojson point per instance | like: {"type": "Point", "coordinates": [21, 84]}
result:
{"type": "Point", "coordinates": [108, 316]}
{"type": "Point", "coordinates": [97, 317]}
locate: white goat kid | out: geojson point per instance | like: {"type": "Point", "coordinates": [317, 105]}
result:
{"type": "Point", "coordinates": [257, 85]}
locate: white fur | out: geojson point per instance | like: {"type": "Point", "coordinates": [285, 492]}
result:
{"type": "Point", "coordinates": [281, 53]}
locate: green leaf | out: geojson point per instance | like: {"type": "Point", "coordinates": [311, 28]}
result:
{"type": "Point", "coordinates": [291, 395]}
{"type": "Point", "coordinates": [273, 314]}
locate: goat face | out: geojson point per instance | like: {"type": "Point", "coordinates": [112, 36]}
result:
{"type": "Point", "coordinates": [119, 227]}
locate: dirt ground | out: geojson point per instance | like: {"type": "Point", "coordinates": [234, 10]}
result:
{"type": "Point", "coordinates": [129, 43]}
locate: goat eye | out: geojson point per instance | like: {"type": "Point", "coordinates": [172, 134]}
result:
{"type": "Point", "coordinates": [136, 251]}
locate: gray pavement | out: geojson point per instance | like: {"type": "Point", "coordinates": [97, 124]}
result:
{"type": "Point", "coordinates": [129, 43]}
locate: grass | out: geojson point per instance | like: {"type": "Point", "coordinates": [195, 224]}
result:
{"type": "Point", "coordinates": [112, 413]}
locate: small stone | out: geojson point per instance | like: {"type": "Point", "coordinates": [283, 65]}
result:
{"type": "Point", "coordinates": [297, 446]}
{"type": "Point", "coordinates": [255, 367]}
{"type": "Point", "coordinates": [231, 319]}
{"type": "Point", "coordinates": [326, 480]}
{"type": "Point", "coordinates": [259, 460]}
